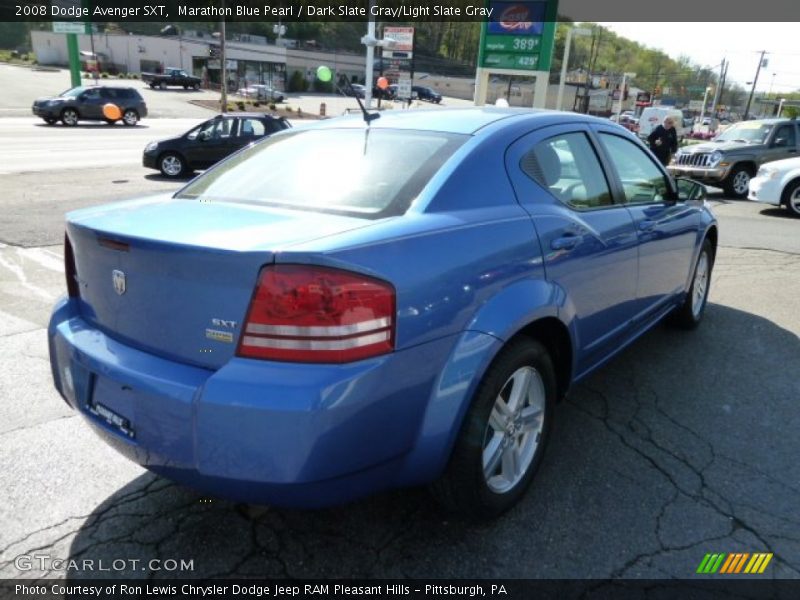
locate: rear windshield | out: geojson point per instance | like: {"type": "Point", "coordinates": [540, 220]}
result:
{"type": "Point", "coordinates": [364, 172]}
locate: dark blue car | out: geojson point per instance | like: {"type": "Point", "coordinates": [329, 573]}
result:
{"type": "Point", "coordinates": [343, 308]}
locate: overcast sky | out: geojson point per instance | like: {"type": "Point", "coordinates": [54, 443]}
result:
{"type": "Point", "coordinates": [740, 43]}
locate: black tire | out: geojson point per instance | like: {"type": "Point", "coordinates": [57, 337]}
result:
{"type": "Point", "coordinates": [162, 86]}
{"type": "Point", "coordinates": [736, 184]}
{"type": "Point", "coordinates": [689, 314]}
{"type": "Point", "coordinates": [791, 197]}
{"type": "Point", "coordinates": [152, 86]}
{"type": "Point", "coordinates": [50, 121]}
{"type": "Point", "coordinates": [69, 117]}
{"type": "Point", "coordinates": [172, 164]}
{"type": "Point", "coordinates": [465, 487]}
{"type": "Point", "coordinates": [130, 117]}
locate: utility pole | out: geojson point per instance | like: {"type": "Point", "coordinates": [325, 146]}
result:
{"type": "Point", "coordinates": [753, 88]}
{"type": "Point", "coordinates": [223, 63]}
{"type": "Point", "coordinates": [722, 68]}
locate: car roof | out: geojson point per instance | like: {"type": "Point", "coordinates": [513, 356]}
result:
{"type": "Point", "coordinates": [249, 115]}
{"type": "Point", "coordinates": [467, 120]}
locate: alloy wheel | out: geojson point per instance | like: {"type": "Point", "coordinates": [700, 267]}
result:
{"type": "Point", "coordinates": [130, 118]}
{"type": "Point", "coordinates": [171, 165]}
{"type": "Point", "coordinates": [741, 182]}
{"type": "Point", "coordinates": [794, 201]}
{"type": "Point", "coordinates": [700, 286]}
{"type": "Point", "coordinates": [514, 430]}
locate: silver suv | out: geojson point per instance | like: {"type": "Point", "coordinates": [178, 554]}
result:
{"type": "Point", "coordinates": [732, 158]}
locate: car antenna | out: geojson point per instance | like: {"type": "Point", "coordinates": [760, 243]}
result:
{"type": "Point", "coordinates": [324, 74]}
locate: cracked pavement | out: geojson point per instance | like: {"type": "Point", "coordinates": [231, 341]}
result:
{"type": "Point", "coordinates": [686, 443]}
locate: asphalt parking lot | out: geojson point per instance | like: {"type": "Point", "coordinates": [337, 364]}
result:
{"type": "Point", "coordinates": [685, 444]}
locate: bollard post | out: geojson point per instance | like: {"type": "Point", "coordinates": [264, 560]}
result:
{"type": "Point", "coordinates": [322, 108]}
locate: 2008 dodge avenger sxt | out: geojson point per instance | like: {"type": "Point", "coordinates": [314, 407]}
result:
{"type": "Point", "coordinates": [352, 307]}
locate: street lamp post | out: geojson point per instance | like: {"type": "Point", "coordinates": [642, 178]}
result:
{"type": "Point", "coordinates": [705, 99]}
{"type": "Point", "coordinates": [570, 32]}
{"type": "Point", "coordinates": [622, 89]}
{"type": "Point", "coordinates": [761, 62]}
{"type": "Point", "coordinates": [780, 107]}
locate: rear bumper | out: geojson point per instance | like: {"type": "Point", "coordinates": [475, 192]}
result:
{"type": "Point", "coordinates": [259, 431]}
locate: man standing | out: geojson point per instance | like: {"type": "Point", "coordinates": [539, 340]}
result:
{"type": "Point", "coordinates": [664, 141]}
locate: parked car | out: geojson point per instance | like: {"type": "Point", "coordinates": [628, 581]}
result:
{"type": "Point", "coordinates": [426, 93]}
{"type": "Point", "coordinates": [86, 104]}
{"type": "Point", "coordinates": [778, 183]}
{"type": "Point", "coordinates": [261, 93]}
{"type": "Point", "coordinates": [653, 116]}
{"type": "Point", "coordinates": [355, 89]}
{"type": "Point", "coordinates": [209, 142]}
{"type": "Point", "coordinates": [732, 158]}
{"type": "Point", "coordinates": [346, 308]}
{"type": "Point", "coordinates": [172, 77]}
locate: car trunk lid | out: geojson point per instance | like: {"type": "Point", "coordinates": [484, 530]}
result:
{"type": "Point", "coordinates": [175, 277]}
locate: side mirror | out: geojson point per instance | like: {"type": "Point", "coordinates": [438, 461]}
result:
{"type": "Point", "coordinates": [691, 190]}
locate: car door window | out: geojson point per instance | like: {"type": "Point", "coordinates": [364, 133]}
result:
{"type": "Point", "coordinates": [568, 167]}
{"type": "Point", "coordinates": [251, 128]}
{"type": "Point", "coordinates": [91, 94]}
{"type": "Point", "coordinates": [642, 181]}
{"type": "Point", "coordinates": [224, 129]}
{"type": "Point", "coordinates": [785, 137]}
{"type": "Point", "coordinates": [275, 125]}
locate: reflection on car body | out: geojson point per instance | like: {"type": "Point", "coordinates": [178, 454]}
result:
{"type": "Point", "coordinates": [346, 308]}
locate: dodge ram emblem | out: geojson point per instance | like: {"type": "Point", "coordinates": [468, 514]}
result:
{"type": "Point", "coordinates": [119, 281]}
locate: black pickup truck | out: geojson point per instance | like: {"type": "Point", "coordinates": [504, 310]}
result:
{"type": "Point", "coordinates": [171, 76]}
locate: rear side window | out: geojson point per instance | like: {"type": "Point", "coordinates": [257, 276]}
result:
{"type": "Point", "coordinates": [118, 93]}
{"type": "Point", "coordinates": [251, 128]}
{"type": "Point", "coordinates": [568, 167]}
{"type": "Point", "coordinates": [363, 172]}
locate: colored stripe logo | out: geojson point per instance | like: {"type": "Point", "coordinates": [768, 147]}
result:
{"type": "Point", "coordinates": [734, 563]}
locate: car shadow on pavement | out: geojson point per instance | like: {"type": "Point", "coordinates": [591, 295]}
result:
{"type": "Point", "coordinates": [92, 126]}
{"type": "Point", "coordinates": [160, 177]}
{"type": "Point", "coordinates": [776, 211]}
{"type": "Point", "coordinates": [684, 442]}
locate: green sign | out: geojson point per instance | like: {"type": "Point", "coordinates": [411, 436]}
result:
{"type": "Point", "coordinates": [511, 61]}
{"type": "Point", "coordinates": [70, 27]}
{"type": "Point", "coordinates": [519, 35]}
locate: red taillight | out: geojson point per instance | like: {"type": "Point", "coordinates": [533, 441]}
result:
{"type": "Point", "coordinates": [305, 313]}
{"type": "Point", "coordinates": [69, 269]}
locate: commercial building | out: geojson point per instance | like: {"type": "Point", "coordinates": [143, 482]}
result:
{"type": "Point", "coordinates": [250, 59]}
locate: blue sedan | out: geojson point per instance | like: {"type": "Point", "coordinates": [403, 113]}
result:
{"type": "Point", "coordinates": [352, 307]}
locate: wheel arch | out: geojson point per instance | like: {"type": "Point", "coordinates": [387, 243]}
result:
{"type": "Point", "coordinates": [712, 235]}
{"type": "Point", "coordinates": [747, 163]}
{"type": "Point", "coordinates": [473, 355]}
{"type": "Point", "coordinates": [785, 192]}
